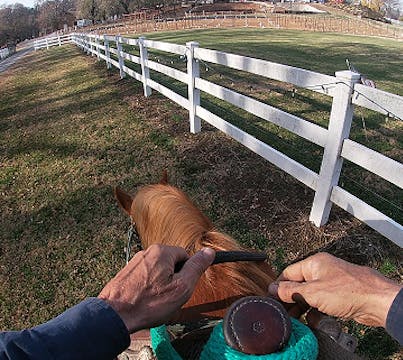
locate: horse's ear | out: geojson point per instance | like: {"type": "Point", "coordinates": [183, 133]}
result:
{"type": "Point", "coordinates": [164, 179]}
{"type": "Point", "coordinates": [124, 199]}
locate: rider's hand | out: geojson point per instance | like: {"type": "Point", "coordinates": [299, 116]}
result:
{"type": "Point", "coordinates": [338, 288]}
{"type": "Point", "coordinates": [147, 292]}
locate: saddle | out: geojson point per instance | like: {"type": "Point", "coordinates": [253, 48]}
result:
{"type": "Point", "coordinates": [189, 340]}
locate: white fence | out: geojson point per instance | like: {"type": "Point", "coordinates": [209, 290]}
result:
{"type": "Point", "coordinates": [343, 88]}
{"type": "Point", "coordinates": [4, 53]}
{"type": "Point", "coordinates": [52, 41]}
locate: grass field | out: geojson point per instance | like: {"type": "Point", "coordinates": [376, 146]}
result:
{"type": "Point", "coordinates": [379, 59]}
{"type": "Point", "coordinates": [70, 131]}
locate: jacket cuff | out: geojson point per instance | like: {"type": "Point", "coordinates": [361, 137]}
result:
{"type": "Point", "coordinates": [89, 330]}
{"type": "Point", "coordinates": [394, 319]}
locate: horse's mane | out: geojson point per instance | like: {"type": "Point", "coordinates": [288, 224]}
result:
{"type": "Point", "coordinates": [165, 215]}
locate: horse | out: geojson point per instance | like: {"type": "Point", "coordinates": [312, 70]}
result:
{"type": "Point", "coordinates": [163, 214]}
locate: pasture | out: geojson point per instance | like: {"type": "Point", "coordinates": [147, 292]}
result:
{"type": "Point", "coordinates": [70, 130]}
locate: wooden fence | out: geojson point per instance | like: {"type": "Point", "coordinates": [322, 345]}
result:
{"type": "Point", "coordinates": [344, 88]}
{"type": "Point", "coordinates": [307, 22]}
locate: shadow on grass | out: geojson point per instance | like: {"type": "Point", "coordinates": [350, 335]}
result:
{"type": "Point", "coordinates": [62, 252]}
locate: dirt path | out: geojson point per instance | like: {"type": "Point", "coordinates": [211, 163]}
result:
{"type": "Point", "coordinates": [6, 63]}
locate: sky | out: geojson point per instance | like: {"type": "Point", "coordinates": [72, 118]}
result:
{"type": "Point", "coordinates": [27, 3]}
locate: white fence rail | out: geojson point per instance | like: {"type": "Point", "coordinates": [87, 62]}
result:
{"type": "Point", "coordinates": [52, 41]}
{"type": "Point", "coordinates": [343, 88]}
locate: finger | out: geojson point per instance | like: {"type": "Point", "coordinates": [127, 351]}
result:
{"type": "Point", "coordinates": [178, 254]}
{"type": "Point", "coordinates": [196, 266]}
{"type": "Point", "coordinates": [291, 292]}
{"type": "Point", "coordinates": [174, 254]}
{"type": "Point", "coordinates": [299, 306]}
{"type": "Point", "coordinates": [273, 290]}
{"type": "Point", "coordinates": [293, 272]}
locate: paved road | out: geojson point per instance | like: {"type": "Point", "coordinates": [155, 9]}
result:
{"type": "Point", "coordinates": [6, 63]}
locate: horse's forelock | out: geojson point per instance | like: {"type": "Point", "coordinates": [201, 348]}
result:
{"type": "Point", "coordinates": [164, 214]}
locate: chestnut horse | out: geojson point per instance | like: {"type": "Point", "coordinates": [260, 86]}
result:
{"type": "Point", "coordinates": [165, 215]}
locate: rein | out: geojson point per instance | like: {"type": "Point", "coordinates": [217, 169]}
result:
{"type": "Point", "coordinates": [194, 328]}
{"type": "Point", "coordinates": [133, 237]}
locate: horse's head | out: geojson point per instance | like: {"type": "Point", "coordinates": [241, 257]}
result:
{"type": "Point", "coordinates": [165, 215]}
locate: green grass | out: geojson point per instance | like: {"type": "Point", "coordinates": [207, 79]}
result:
{"type": "Point", "coordinates": [71, 130]}
{"type": "Point", "coordinates": [60, 140]}
{"type": "Point", "coordinates": [322, 52]}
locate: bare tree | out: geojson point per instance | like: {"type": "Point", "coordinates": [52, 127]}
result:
{"type": "Point", "coordinates": [108, 8]}
{"type": "Point", "coordinates": [88, 9]}
{"type": "Point", "coordinates": [391, 8]}
{"type": "Point", "coordinates": [53, 14]}
{"type": "Point", "coordinates": [17, 23]}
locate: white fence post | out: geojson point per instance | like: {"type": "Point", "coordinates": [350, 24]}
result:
{"type": "Point", "coordinates": [120, 56]}
{"type": "Point", "coordinates": [60, 42]}
{"type": "Point", "coordinates": [47, 44]}
{"type": "Point", "coordinates": [145, 71]}
{"type": "Point", "coordinates": [341, 116]}
{"type": "Point", "coordinates": [88, 44]}
{"type": "Point", "coordinates": [84, 42]}
{"type": "Point", "coordinates": [193, 70]}
{"type": "Point", "coordinates": [92, 47]}
{"type": "Point", "coordinates": [80, 42]}
{"type": "Point", "coordinates": [107, 53]}
{"type": "Point", "coordinates": [97, 42]}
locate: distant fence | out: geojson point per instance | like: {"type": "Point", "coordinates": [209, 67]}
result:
{"type": "Point", "coordinates": [6, 52]}
{"type": "Point", "coordinates": [344, 88]}
{"type": "Point", "coordinates": [227, 19]}
{"type": "Point", "coordinates": [52, 41]}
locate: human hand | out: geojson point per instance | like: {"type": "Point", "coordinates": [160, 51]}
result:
{"type": "Point", "coordinates": [147, 292]}
{"type": "Point", "coordinates": [337, 288]}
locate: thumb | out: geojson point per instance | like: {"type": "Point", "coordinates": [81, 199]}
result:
{"type": "Point", "coordinates": [197, 265]}
{"type": "Point", "coordinates": [288, 291]}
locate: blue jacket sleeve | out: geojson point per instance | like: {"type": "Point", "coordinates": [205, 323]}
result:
{"type": "Point", "coordinates": [89, 330]}
{"type": "Point", "coordinates": [394, 320]}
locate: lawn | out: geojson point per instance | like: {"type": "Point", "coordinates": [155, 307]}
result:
{"type": "Point", "coordinates": [379, 59]}
{"type": "Point", "coordinates": [70, 130]}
